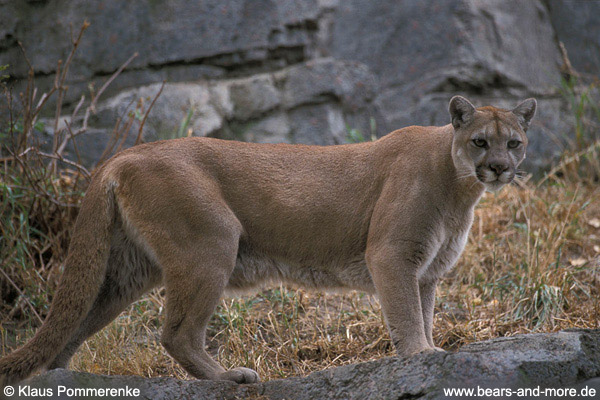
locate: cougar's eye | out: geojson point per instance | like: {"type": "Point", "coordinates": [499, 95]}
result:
{"type": "Point", "coordinates": [513, 144]}
{"type": "Point", "coordinates": [479, 142]}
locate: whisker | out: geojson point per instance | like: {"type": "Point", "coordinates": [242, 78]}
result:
{"type": "Point", "coordinates": [473, 184]}
{"type": "Point", "coordinates": [521, 177]}
{"type": "Point", "coordinates": [463, 175]}
{"type": "Point", "coordinates": [519, 181]}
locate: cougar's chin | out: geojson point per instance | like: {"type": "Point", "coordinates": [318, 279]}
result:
{"type": "Point", "coordinates": [494, 186]}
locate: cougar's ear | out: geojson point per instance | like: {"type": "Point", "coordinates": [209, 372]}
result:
{"type": "Point", "coordinates": [525, 112]}
{"type": "Point", "coordinates": [461, 110]}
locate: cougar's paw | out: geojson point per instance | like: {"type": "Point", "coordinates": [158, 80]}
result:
{"type": "Point", "coordinates": [431, 350]}
{"type": "Point", "coordinates": [419, 350]}
{"type": "Point", "coordinates": [240, 375]}
{"type": "Point", "coordinates": [413, 350]}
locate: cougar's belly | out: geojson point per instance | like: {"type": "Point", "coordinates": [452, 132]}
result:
{"type": "Point", "coordinates": [254, 270]}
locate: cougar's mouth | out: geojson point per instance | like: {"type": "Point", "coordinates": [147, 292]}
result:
{"type": "Point", "coordinates": [491, 181]}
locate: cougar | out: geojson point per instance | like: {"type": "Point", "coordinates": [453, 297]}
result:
{"type": "Point", "coordinates": [205, 217]}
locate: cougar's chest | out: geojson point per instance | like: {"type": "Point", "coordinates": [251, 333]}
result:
{"type": "Point", "coordinates": [454, 232]}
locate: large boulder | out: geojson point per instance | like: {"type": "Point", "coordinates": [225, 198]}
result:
{"type": "Point", "coordinates": [568, 360]}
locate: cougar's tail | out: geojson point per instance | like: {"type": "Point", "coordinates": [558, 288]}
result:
{"type": "Point", "coordinates": [79, 285]}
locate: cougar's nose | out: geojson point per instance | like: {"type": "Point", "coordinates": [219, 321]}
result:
{"type": "Point", "coordinates": [498, 168]}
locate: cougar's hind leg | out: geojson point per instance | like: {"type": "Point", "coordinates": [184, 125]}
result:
{"type": "Point", "coordinates": [195, 279]}
{"type": "Point", "coordinates": [193, 234]}
{"type": "Point", "coordinates": [130, 274]}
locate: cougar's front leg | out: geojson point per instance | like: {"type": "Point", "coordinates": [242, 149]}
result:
{"type": "Point", "coordinates": [396, 283]}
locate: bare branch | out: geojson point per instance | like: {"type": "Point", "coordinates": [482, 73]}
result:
{"type": "Point", "coordinates": [22, 295]}
{"type": "Point", "coordinates": [77, 107]}
{"type": "Point", "coordinates": [566, 65]}
{"type": "Point", "coordinates": [24, 54]}
{"type": "Point", "coordinates": [109, 81]}
{"type": "Point", "coordinates": [62, 89]}
{"type": "Point", "coordinates": [81, 168]}
{"type": "Point", "coordinates": [92, 106]}
{"type": "Point", "coordinates": [138, 140]}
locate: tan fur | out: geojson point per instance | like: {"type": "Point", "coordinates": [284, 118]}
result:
{"type": "Point", "coordinates": [205, 216]}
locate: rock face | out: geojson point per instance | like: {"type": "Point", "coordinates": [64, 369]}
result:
{"type": "Point", "coordinates": [568, 359]}
{"type": "Point", "coordinates": [576, 24]}
{"type": "Point", "coordinates": [177, 40]}
{"type": "Point", "coordinates": [292, 70]}
{"type": "Point", "coordinates": [494, 52]}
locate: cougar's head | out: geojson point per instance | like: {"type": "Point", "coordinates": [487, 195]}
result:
{"type": "Point", "coordinates": [489, 143]}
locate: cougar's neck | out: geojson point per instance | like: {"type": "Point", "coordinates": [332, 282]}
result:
{"type": "Point", "coordinates": [467, 189]}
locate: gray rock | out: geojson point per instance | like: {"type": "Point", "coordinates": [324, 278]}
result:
{"type": "Point", "coordinates": [253, 96]}
{"type": "Point", "coordinates": [563, 359]}
{"type": "Point", "coordinates": [273, 129]}
{"type": "Point", "coordinates": [331, 96]}
{"type": "Point", "coordinates": [222, 34]}
{"type": "Point", "coordinates": [576, 25]}
{"type": "Point", "coordinates": [311, 122]}
{"type": "Point", "coordinates": [466, 43]}
{"type": "Point", "coordinates": [350, 83]}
